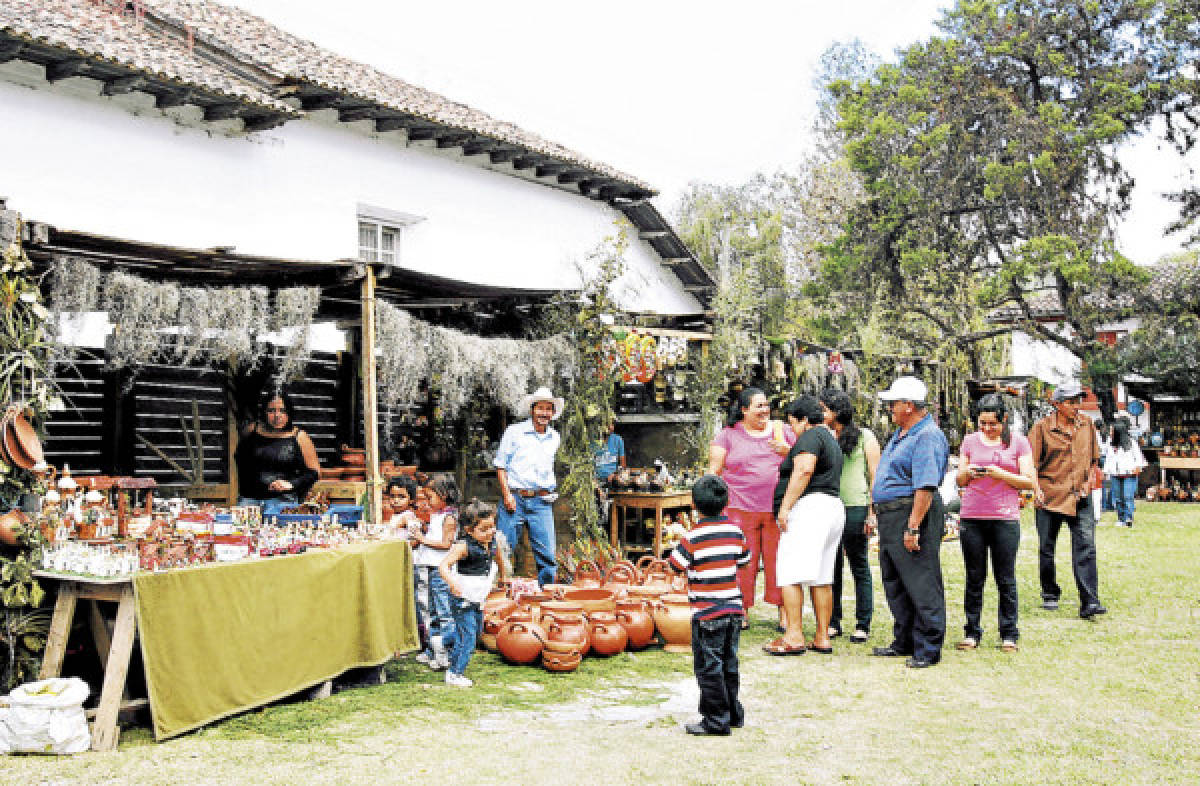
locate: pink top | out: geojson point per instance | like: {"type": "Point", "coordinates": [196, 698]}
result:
{"type": "Point", "coordinates": [751, 467]}
{"type": "Point", "coordinates": [989, 498]}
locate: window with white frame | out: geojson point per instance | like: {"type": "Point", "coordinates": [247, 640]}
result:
{"type": "Point", "coordinates": [379, 233]}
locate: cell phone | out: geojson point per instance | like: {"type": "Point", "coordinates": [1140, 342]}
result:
{"type": "Point", "coordinates": [978, 470]}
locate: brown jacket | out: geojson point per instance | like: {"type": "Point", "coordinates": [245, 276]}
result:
{"type": "Point", "coordinates": [1064, 459]}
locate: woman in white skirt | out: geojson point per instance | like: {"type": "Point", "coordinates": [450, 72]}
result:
{"type": "Point", "coordinates": [811, 517]}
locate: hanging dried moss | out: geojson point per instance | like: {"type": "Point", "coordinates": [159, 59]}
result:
{"type": "Point", "coordinates": [459, 365]}
{"type": "Point", "coordinates": [141, 311]}
{"type": "Point", "coordinates": [221, 324]}
{"type": "Point", "coordinates": [295, 308]}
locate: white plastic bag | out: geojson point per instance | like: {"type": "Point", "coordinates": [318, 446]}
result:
{"type": "Point", "coordinates": [46, 717]}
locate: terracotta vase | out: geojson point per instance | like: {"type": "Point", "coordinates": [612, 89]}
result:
{"type": "Point", "coordinates": [557, 590]}
{"type": "Point", "coordinates": [637, 622]}
{"type": "Point", "coordinates": [606, 634]}
{"type": "Point", "coordinates": [598, 599]}
{"type": "Point", "coordinates": [673, 618]}
{"type": "Point", "coordinates": [9, 523]}
{"type": "Point", "coordinates": [568, 628]}
{"type": "Point", "coordinates": [520, 641]}
{"type": "Point", "coordinates": [492, 625]}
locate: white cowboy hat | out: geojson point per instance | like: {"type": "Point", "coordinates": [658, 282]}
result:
{"type": "Point", "coordinates": [541, 394]}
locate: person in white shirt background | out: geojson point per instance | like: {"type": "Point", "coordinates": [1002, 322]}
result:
{"type": "Point", "coordinates": [1123, 463]}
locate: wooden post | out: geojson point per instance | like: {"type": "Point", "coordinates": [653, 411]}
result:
{"type": "Point", "coordinates": [231, 441]}
{"type": "Point", "coordinates": [370, 415]}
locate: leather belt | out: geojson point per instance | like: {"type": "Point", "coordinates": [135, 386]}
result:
{"type": "Point", "coordinates": [527, 493]}
{"type": "Point", "coordinates": [893, 504]}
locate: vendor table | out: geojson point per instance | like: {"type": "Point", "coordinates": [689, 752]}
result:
{"type": "Point", "coordinates": [223, 638]}
{"type": "Point", "coordinates": [1175, 462]}
{"type": "Point", "coordinates": [658, 501]}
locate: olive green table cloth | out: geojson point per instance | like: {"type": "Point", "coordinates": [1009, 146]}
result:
{"type": "Point", "coordinates": [223, 638]}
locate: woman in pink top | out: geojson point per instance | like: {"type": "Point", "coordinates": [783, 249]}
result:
{"type": "Point", "coordinates": [747, 454]}
{"type": "Point", "coordinates": [995, 463]}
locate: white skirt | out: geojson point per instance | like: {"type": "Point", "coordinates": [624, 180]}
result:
{"type": "Point", "coordinates": [808, 550]}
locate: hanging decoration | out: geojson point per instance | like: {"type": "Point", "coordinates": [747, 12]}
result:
{"type": "Point", "coordinates": [157, 321]}
{"type": "Point", "coordinates": [457, 365]}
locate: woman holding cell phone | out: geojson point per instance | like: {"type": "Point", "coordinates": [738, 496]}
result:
{"type": "Point", "coordinates": [994, 465]}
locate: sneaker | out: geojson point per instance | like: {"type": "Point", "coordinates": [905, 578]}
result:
{"type": "Point", "coordinates": [424, 657]}
{"type": "Point", "coordinates": [440, 662]}
{"type": "Point", "coordinates": [968, 643]}
{"type": "Point", "coordinates": [859, 636]}
{"type": "Point", "coordinates": [458, 680]}
{"type": "Point", "coordinates": [1050, 604]}
{"type": "Point", "coordinates": [1008, 645]}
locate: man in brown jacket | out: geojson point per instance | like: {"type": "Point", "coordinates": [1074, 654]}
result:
{"type": "Point", "coordinates": [1065, 449]}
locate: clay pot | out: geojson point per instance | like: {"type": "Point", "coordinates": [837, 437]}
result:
{"type": "Point", "coordinates": [647, 594]}
{"type": "Point", "coordinates": [592, 600]}
{"type": "Point", "coordinates": [606, 635]}
{"type": "Point", "coordinates": [561, 608]}
{"type": "Point", "coordinates": [354, 457]}
{"type": "Point", "coordinates": [492, 625]}
{"type": "Point", "coordinates": [9, 523]}
{"type": "Point", "coordinates": [500, 607]}
{"type": "Point", "coordinates": [643, 565]}
{"type": "Point", "coordinates": [620, 577]}
{"type": "Point", "coordinates": [568, 628]}
{"type": "Point", "coordinates": [673, 618]}
{"type": "Point", "coordinates": [587, 575]}
{"type": "Point", "coordinates": [520, 641]}
{"type": "Point", "coordinates": [561, 656]}
{"type": "Point", "coordinates": [637, 622]}
{"type": "Point", "coordinates": [532, 603]}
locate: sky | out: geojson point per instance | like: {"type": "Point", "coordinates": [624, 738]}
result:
{"type": "Point", "coordinates": [669, 91]}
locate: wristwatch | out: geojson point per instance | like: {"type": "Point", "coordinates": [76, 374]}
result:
{"type": "Point", "coordinates": [916, 533]}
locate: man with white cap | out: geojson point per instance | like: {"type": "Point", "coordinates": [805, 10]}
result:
{"type": "Point", "coordinates": [525, 468]}
{"type": "Point", "coordinates": [911, 520]}
{"type": "Point", "coordinates": [1065, 451]}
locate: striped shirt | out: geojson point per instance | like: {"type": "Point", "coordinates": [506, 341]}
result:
{"type": "Point", "coordinates": [711, 554]}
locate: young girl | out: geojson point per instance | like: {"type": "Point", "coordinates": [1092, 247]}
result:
{"type": "Point", "coordinates": [469, 570]}
{"type": "Point", "coordinates": [401, 493]}
{"type": "Point", "coordinates": [433, 598]}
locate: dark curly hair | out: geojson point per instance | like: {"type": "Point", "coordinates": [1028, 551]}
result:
{"type": "Point", "coordinates": [806, 407]}
{"type": "Point", "coordinates": [742, 402]}
{"type": "Point", "coordinates": [838, 402]}
{"type": "Point", "coordinates": [993, 403]}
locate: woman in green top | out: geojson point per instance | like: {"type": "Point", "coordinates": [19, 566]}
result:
{"type": "Point", "coordinates": [860, 452]}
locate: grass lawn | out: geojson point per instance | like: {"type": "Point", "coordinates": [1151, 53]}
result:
{"type": "Point", "coordinates": [1115, 700]}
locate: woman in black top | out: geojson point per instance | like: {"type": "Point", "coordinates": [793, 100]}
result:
{"type": "Point", "coordinates": [811, 517]}
{"type": "Point", "coordinates": [277, 463]}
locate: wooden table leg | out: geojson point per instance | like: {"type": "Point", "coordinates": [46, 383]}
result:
{"type": "Point", "coordinates": [105, 731]}
{"type": "Point", "coordinates": [658, 516]}
{"type": "Point", "coordinates": [60, 630]}
{"type": "Point", "coordinates": [613, 519]}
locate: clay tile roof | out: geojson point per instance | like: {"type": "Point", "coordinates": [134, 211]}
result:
{"type": "Point", "coordinates": [252, 38]}
{"type": "Point", "coordinates": [94, 32]}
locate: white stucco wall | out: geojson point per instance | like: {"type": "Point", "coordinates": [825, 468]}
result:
{"type": "Point", "coordinates": [120, 167]}
{"type": "Point", "coordinates": [1049, 362]}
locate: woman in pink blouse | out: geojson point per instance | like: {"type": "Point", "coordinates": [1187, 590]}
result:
{"type": "Point", "coordinates": [747, 454]}
{"type": "Point", "coordinates": [994, 464]}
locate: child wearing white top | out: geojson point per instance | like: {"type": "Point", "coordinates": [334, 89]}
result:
{"type": "Point", "coordinates": [433, 597]}
{"type": "Point", "coordinates": [1123, 462]}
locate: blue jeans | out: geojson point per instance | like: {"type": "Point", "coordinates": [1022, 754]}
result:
{"type": "Point", "coordinates": [715, 662]}
{"type": "Point", "coordinates": [1083, 551]}
{"type": "Point", "coordinates": [1123, 492]}
{"type": "Point", "coordinates": [854, 547]}
{"type": "Point", "coordinates": [433, 606]}
{"type": "Point", "coordinates": [271, 505]}
{"type": "Point", "coordinates": [538, 515]}
{"type": "Point", "coordinates": [1106, 499]}
{"type": "Point", "coordinates": [1000, 538]}
{"type": "Point", "coordinates": [468, 618]}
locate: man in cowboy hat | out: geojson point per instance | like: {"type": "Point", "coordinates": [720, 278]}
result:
{"type": "Point", "coordinates": [525, 468]}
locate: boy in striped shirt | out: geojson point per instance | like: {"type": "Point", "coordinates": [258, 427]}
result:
{"type": "Point", "coordinates": [711, 554]}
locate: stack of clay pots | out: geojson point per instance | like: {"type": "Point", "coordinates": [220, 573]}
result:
{"type": "Point", "coordinates": [599, 614]}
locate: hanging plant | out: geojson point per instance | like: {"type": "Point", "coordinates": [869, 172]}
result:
{"type": "Point", "coordinates": [141, 312]}
{"type": "Point", "coordinates": [403, 360]}
{"type": "Point", "coordinates": [221, 325]}
{"type": "Point", "coordinates": [295, 307]}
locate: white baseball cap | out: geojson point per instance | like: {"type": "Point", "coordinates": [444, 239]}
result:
{"type": "Point", "coordinates": [907, 389]}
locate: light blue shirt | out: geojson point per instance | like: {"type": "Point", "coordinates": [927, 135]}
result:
{"type": "Point", "coordinates": [528, 457]}
{"type": "Point", "coordinates": [911, 461]}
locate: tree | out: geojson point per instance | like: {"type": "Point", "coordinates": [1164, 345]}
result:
{"type": "Point", "coordinates": [1166, 345]}
{"type": "Point", "coordinates": [989, 161]}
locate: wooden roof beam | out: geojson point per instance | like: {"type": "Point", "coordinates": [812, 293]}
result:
{"type": "Point", "coordinates": [319, 101]}
{"type": "Point", "coordinates": [421, 134]}
{"type": "Point", "coordinates": [227, 111]}
{"type": "Point", "coordinates": [502, 155]}
{"type": "Point", "coordinates": [65, 69]}
{"type": "Point", "coordinates": [385, 124]}
{"type": "Point", "coordinates": [479, 146]}
{"type": "Point", "coordinates": [122, 85]}
{"type": "Point", "coordinates": [263, 122]}
{"type": "Point", "coordinates": [352, 114]}
{"type": "Point", "coordinates": [657, 234]}
{"type": "Point", "coordinates": [452, 140]}
{"type": "Point", "coordinates": [526, 161]}
{"type": "Point", "coordinates": [572, 176]}
{"type": "Point", "coordinates": [549, 169]}
{"type": "Point", "coordinates": [173, 98]}
{"type": "Point", "coordinates": [9, 50]}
